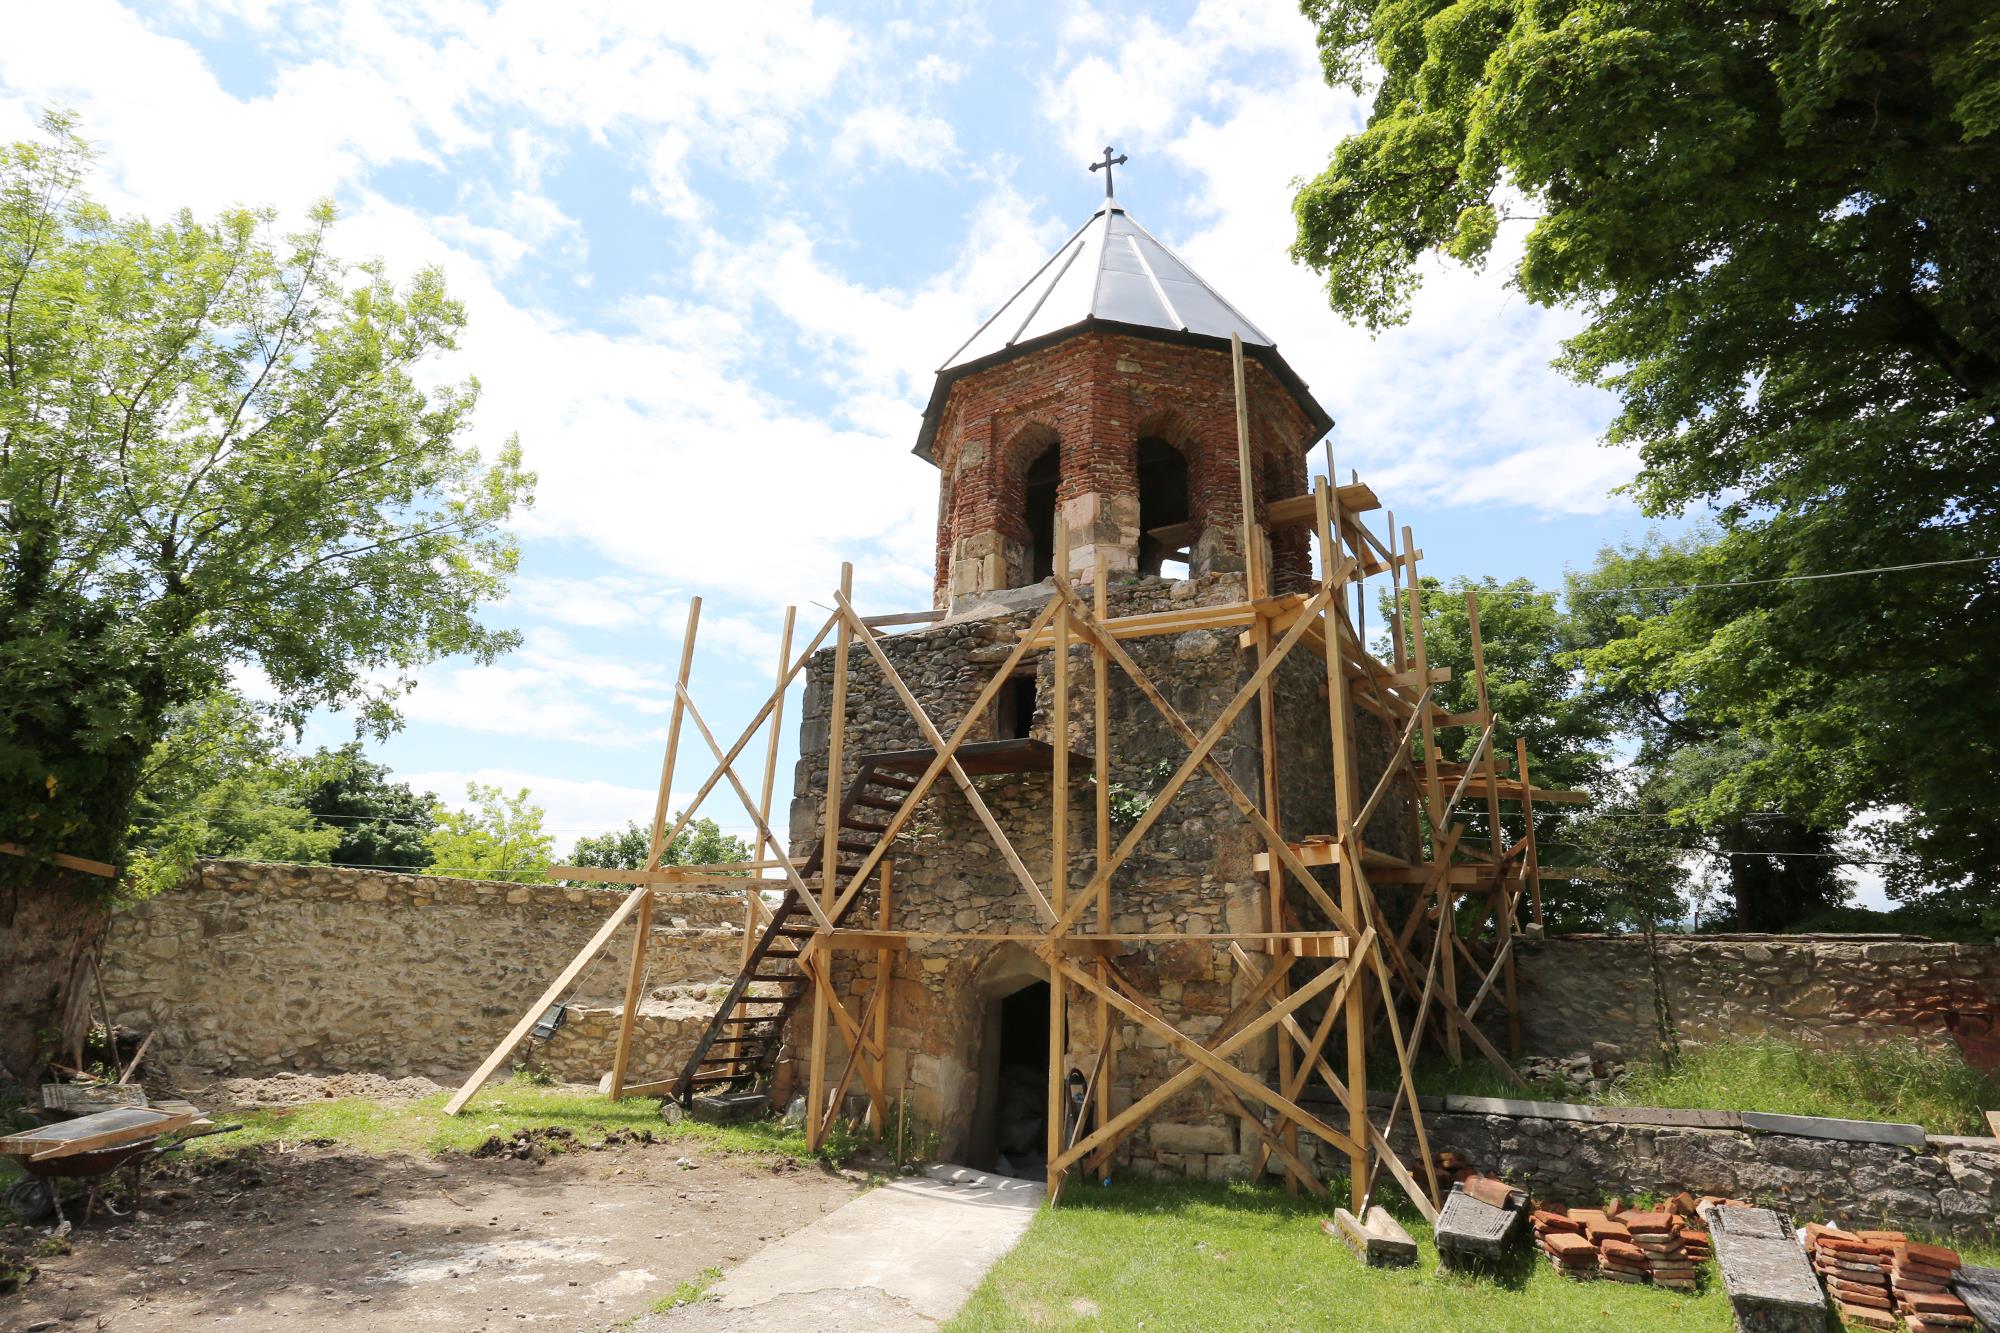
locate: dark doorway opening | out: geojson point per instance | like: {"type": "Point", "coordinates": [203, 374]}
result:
{"type": "Point", "coordinates": [1014, 710]}
{"type": "Point", "coordinates": [1166, 530]}
{"type": "Point", "coordinates": [1039, 499]}
{"type": "Point", "coordinates": [1010, 1120]}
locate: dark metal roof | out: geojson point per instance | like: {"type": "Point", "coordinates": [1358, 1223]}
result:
{"type": "Point", "coordinates": [1111, 274]}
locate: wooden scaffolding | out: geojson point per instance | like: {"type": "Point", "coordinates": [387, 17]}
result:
{"type": "Point", "coordinates": [1366, 975]}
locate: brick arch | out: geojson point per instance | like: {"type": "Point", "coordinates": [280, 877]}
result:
{"type": "Point", "coordinates": [1170, 428]}
{"type": "Point", "coordinates": [1011, 473]}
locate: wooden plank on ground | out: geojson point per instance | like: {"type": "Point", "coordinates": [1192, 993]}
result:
{"type": "Point", "coordinates": [90, 1133]}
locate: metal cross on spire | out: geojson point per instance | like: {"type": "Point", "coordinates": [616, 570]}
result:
{"type": "Point", "coordinates": [1106, 165]}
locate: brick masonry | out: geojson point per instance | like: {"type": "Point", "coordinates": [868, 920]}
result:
{"type": "Point", "coordinates": [256, 969]}
{"type": "Point", "coordinates": [1835, 991]}
{"type": "Point", "coordinates": [1098, 395]}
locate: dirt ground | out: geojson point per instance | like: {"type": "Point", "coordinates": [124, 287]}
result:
{"type": "Point", "coordinates": [324, 1238]}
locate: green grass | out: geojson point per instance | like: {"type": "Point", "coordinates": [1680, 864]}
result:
{"type": "Point", "coordinates": [1897, 1081]}
{"type": "Point", "coordinates": [1203, 1256]}
{"type": "Point", "coordinates": [688, 1292]}
{"type": "Point", "coordinates": [420, 1125]}
{"type": "Point", "coordinates": [1891, 1081]}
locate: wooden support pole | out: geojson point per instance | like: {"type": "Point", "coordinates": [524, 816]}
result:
{"type": "Point", "coordinates": [635, 983]}
{"type": "Point", "coordinates": [829, 863]}
{"type": "Point", "coordinates": [1275, 912]}
{"type": "Point", "coordinates": [1100, 665]}
{"type": "Point", "coordinates": [1432, 792]}
{"type": "Point", "coordinates": [1253, 546]}
{"type": "Point", "coordinates": [1058, 861]}
{"type": "Point", "coordinates": [1503, 898]}
{"type": "Point", "coordinates": [657, 846]}
{"type": "Point", "coordinates": [1533, 865]}
{"type": "Point", "coordinates": [1340, 725]}
{"type": "Point", "coordinates": [878, 1109]}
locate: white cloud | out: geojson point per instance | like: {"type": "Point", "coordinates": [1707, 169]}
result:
{"type": "Point", "coordinates": [917, 140]}
{"type": "Point", "coordinates": [365, 83]}
{"type": "Point", "coordinates": [1458, 406]}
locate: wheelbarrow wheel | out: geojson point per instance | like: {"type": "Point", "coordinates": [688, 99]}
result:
{"type": "Point", "coordinates": [33, 1200]}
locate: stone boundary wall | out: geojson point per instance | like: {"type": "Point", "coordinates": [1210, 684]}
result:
{"type": "Point", "coordinates": [1829, 990]}
{"type": "Point", "coordinates": [256, 969]}
{"type": "Point", "coordinates": [1575, 1155]}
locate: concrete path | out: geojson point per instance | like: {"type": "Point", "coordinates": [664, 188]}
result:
{"type": "Point", "coordinates": [903, 1256]}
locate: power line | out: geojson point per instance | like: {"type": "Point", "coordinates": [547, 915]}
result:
{"type": "Point", "coordinates": [1780, 578]}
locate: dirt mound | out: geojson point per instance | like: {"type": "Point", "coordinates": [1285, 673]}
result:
{"type": "Point", "coordinates": [529, 1145]}
{"type": "Point", "coordinates": [295, 1089]}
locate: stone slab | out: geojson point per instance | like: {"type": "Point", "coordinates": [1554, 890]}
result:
{"type": "Point", "coordinates": [1507, 1106]}
{"type": "Point", "coordinates": [1467, 1228]}
{"type": "Point", "coordinates": [1766, 1274]}
{"type": "Point", "coordinates": [1844, 1131]}
{"type": "Point", "coordinates": [1979, 1288]}
{"type": "Point", "coordinates": [1667, 1116]}
{"type": "Point", "coordinates": [722, 1107]}
{"type": "Point", "coordinates": [1380, 1242]}
{"type": "Point", "coordinates": [1964, 1143]}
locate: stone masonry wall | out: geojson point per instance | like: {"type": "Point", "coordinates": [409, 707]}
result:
{"type": "Point", "coordinates": [256, 969]}
{"type": "Point", "coordinates": [1192, 873]}
{"type": "Point", "coordinates": [1950, 1185]}
{"type": "Point", "coordinates": [1835, 991]}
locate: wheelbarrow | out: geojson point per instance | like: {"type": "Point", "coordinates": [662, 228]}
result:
{"type": "Point", "coordinates": [91, 1148]}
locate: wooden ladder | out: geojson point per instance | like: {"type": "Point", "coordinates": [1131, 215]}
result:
{"type": "Point", "coordinates": [740, 1047]}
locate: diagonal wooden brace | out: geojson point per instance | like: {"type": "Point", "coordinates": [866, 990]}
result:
{"type": "Point", "coordinates": [952, 766]}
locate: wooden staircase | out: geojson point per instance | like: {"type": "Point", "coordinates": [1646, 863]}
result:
{"type": "Point", "coordinates": [741, 1045]}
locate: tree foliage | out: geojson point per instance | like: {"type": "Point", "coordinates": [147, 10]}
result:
{"type": "Point", "coordinates": [500, 837]}
{"type": "Point", "coordinates": [379, 822]}
{"type": "Point", "coordinates": [220, 783]}
{"type": "Point", "coordinates": [701, 843]}
{"type": "Point", "coordinates": [215, 454]}
{"type": "Point", "coordinates": [1778, 223]}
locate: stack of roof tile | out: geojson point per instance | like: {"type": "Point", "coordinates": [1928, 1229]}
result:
{"type": "Point", "coordinates": [1561, 1238]}
{"type": "Point", "coordinates": [1921, 1279]}
{"type": "Point", "coordinates": [1857, 1267]}
{"type": "Point", "coordinates": [1657, 1234]}
{"type": "Point", "coordinates": [1618, 1259]}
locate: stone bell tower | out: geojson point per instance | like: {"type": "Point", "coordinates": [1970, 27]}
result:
{"type": "Point", "coordinates": [1103, 392]}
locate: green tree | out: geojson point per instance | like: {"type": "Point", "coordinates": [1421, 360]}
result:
{"type": "Point", "coordinates": [215, 454]}
{"type": "Point", "coordinates": [220, 783]}
{"type": "Point", "coordinates": [378, 822]}
{"type": "Point", "coordinates": [1778, 223]}
{"type": "Point", "coordinates": [1665, 668]}
{"type": "Point", "coordinates": [500, 838]}
{"type": "Point", "coordinates": [701, 843]}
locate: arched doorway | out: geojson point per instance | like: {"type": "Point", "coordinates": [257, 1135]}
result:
{"type": "Point", "coordinates": [1009, 1132]}
{"type": "Point", "coordinates": [1038, 502]}
{"type": "Point", "coordinates": [1166, 532]}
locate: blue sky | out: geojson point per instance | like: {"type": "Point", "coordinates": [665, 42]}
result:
{"type": "Point", "coordinates": [711, 257]}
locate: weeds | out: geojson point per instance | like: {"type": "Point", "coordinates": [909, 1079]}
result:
{"type": "Point", "coordinates": [1895, 1081]}
{"type": "Point", "coordinates": [688, 1292]}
